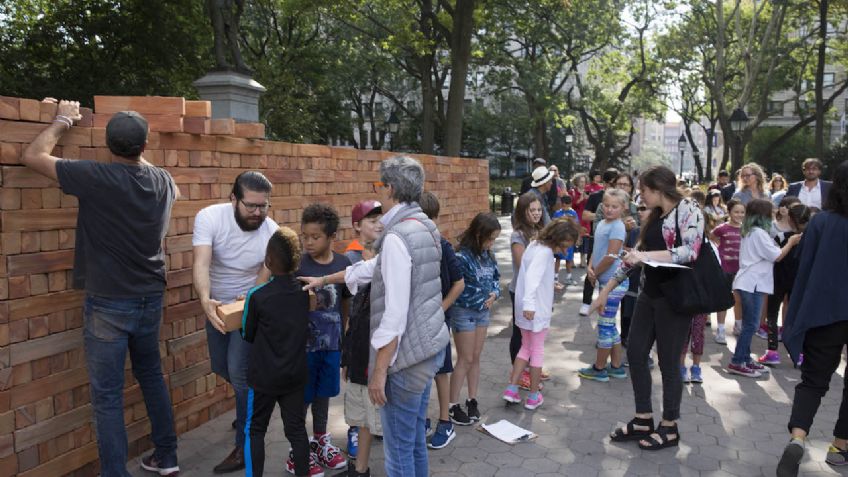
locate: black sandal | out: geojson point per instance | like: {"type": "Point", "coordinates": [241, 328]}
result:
{"type": "Point", "coordinates": [630, 433]}
{"type": "Point", "coordinates": [662, 441]}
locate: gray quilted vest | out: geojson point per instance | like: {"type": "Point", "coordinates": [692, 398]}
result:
{"type": "Point", "coordinates": [426, 333]}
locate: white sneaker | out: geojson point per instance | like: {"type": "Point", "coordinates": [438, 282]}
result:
{"type": "Point", "coordinates": [720, 337]}
{"type": "Point", "coordinates": [584, 310]}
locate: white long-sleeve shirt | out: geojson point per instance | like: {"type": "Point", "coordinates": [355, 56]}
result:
{"type": "Point", "coordinates": [756, 262]}
{"type": "Point", "coordinates": [535, 290]}
{"type": "Point", "coordinates": [396, 269]}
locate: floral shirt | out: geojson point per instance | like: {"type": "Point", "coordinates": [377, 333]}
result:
{"type": "Point", "coordinates": [690, 220]}
{"type": "Point", "coordinates": [481, 276]}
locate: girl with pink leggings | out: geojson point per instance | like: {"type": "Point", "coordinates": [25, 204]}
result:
{"type": "Point", "coordinates": [534, 300]}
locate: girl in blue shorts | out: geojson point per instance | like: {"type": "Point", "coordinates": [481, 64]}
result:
{"type": "Point", "coordinates": [469, 315]}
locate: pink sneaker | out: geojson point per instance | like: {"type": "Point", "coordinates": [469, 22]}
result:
{"type": "Point", "coordinates": [770, 358]}
{"type": "Point", "coordinates": [533, 402]}
{"type": "Point", "coordinates": [511, 396]}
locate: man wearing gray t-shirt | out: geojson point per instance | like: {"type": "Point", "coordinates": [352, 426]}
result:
{"type": "Point", "coordinates": [124, 209]}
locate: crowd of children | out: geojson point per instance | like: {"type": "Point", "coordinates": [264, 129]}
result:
{"type": "Point", "coordinates": [754, 245]}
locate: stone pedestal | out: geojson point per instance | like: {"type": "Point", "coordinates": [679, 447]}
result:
{"type": "Point", "coordinates": [233, 95]}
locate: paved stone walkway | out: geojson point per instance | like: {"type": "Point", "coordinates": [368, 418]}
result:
{"type": "Point", "coordinates": [730, 425]}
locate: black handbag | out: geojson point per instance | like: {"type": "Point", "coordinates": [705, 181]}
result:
{"type": "Point", "coordinates": [703, 287]}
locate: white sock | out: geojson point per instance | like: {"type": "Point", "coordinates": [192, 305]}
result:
{"type": "Point", "coordinates": [721, 327]}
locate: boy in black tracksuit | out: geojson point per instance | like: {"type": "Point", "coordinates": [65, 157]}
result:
{"type": "Point", "coordinates": [276, 321]}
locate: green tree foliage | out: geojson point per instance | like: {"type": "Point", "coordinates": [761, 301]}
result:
{"type": "Point", "coordinates": [76, 49]}
{"type": "Point", "coordinates": [787, 159]}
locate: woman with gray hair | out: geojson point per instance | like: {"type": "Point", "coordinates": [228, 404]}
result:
{"type": "Point", "coordinates": [408, 332]}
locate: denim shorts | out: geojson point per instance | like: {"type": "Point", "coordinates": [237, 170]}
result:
{"type": "Point", "coordinates": [463, 319]}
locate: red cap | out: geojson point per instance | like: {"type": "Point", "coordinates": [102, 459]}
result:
{"type": "Point", "coordinates": [364, 208]}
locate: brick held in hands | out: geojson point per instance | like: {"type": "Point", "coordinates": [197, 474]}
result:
{"type": "Point", "coordinates": [231, 313]}
{"type": "Point", "coordinates": [225, 126]}
{"type": "Point", "coordinates": [164, 105]}
{"type": "Point", "coordinates": [250, 130]}
{"type": "Point", "coordinates": [30, 110]}
{"type": "Point", "coordinates": [47, 111]}
{"type": "Point", "coordinates": [10, 108]}
{"type": "Point", "coordinates": [201, 109]}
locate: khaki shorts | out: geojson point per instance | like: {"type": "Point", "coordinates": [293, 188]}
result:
{"type": "Point", "coordinates": [359, 410]}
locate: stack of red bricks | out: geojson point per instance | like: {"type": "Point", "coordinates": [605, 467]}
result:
{"type": "Point", "coordinates": [45, 414]}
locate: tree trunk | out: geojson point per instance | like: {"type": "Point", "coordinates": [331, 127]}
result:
{"type": "Point", "coordinates": [822, 51]}
{"type": "Point", "coordinates": [428, 94]}
{"type": "Point", "coordinates": [460, 46]}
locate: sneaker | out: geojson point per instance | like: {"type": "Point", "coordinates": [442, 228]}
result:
{"type": "Point", "coordinates": [770, 358]}
{"type": "Point", "coordinates": [757, 367]}
{"type": "Point", "coordinates": [743, 370]}
{"type": "Point", "coordinates": [584, 310]}
{"type": "Point", "coordinates": [594, 374]}
{"type": "Point", "coordinates": [353, 441]}
{"type": "Point", "coordinates": [166, 467]}
{"type": "Point", "coordinates": [617, 373]}
{"type": "Point", "coordinates": [473, 412]}
{"type": "Point", "coordinates": [720, 337]}
{"type": "Point", "coordinates": [792, 454]}
{"type": "Point", "coordinates": [695, 375]}
{"type": "Point", "coordinates": [315, 469]}
{"type": "Point", "coordinates": [329, 455]}
{"type": "Point", "coordinates": [800, 360]}
{"type": "Point", "coordinates": [443, 436]}
{"type": "Point", "coordinates": [458, 416]}
{"type": "Point", "coordinates": [762, 333]}
{"type": "Point", "coordinates": [533, 401]}
{"type": "Point", "coordinates": [684, 374]}
{"type": "Point", "coordinates": [836, 456]}
{"type": "Point", "coordinates": [511, 396]}
{"type": "Point", "coordinates": [428, 429]}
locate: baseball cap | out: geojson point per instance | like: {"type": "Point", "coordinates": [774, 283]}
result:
{"type": "Point", "coordinates": [362, 209]}
{"type": "Point", "coordinates": [126, 134]}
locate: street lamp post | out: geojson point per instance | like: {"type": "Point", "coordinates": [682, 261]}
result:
{"type": "Point", "coordinates": [738, 122]}
{"type": "Point", "coordinates": [681, 146]}
{"type": "Point", "coordinates": [569, 139]}
{"type": "Point", "coordinates": [394, 125]}
{"type": "Point", "coordinates": [696, 155]}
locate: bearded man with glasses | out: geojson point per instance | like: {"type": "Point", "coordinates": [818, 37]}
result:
{"type": "Point", "coordinates": [229, 253]}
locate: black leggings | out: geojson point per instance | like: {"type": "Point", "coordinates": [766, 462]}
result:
{"type": "Point", "coordinates": [291, 410]}
{"type": "Point", "coordinates": [320, 414]}
{"type": "Point", "coordinates": [515, 340]}
{"type": "Point", "coordinates": [654, 320]}
{"type": "Point", "coordinates": [772, 309]}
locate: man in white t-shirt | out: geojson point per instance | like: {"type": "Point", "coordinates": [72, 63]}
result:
{"type": "Point", "coordinates": [229, 252]}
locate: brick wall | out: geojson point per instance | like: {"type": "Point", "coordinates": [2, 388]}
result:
{"type": "Point", "coordinates": [45, 413]}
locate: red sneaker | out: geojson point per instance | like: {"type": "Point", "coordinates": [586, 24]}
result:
{"type": "Point", "coordinates": [315, 470]}
{"type": "Point", "coordinates": [329, 455]}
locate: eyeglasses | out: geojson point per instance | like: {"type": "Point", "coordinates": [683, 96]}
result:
{"type": "Point", "coordinates": [254, 207]}
{"type": "Point", "coordinates": [745, 176]}
{"type": "Point", "coordinates": [378, 185]}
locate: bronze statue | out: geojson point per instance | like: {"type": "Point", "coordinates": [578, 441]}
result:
{"type": "Point", "coordinates": [225, 15]}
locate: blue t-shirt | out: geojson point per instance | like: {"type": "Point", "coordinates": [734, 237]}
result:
{"type": "Point", "coordinates": [325, 322]}
{"type": "Point", "coordinates": [566, 213]}
{"type": "Point", "coordinates": [481, 276]}
{"type": "Point", "coordinates": [605, 232]}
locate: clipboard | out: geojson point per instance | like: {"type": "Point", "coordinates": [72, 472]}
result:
{"type": "Point", "coordinates": [508, 432]}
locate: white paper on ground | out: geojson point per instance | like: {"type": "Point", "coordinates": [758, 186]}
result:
{"type": "Point", "coordinates": [653, 263]}
{"type": "Point", "coordinates": [508, 432]}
